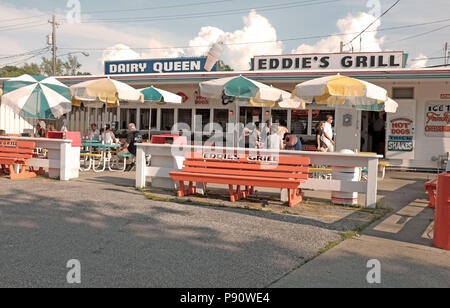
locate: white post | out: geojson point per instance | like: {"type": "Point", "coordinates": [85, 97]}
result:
{"type": "Point", "coordinates": [140, 167]}
{"type": "Point", "coordinates": [371, 184]}
{"type": "Point", "coordinates": [64, 167]}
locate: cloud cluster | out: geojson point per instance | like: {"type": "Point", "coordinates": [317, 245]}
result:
{"type": "Point", "coordinates": [353, 25]}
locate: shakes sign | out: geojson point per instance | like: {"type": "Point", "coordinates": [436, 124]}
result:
{"type": "Point", "coordinates": [401, 135]}
{"type": "Point", "coordinates": [437, 119]}
{"type": "Point", "coordinates": [331, 61]}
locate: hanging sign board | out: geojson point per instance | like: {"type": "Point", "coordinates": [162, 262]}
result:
{"type": "Point", "coordinates": [330, 61]}
{"type": "Point", "coordinates": [157, 66]}
{"type": "Point", "coordinates": [437, 119]}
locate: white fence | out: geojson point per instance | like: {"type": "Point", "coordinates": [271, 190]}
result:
{"type": "Point", "coordinates": [63, 160]}
{"type": "Point", "coordinates": [166, 158]}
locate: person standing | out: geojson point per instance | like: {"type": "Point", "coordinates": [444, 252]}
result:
{"type": "Point", "coordinates": [319, 129]}
{"type": "Point", "coordinates": [133, 137]}
{"type": "Point", "coordinates": [282, 130]}
{"type": "Point", "coordinates": [328, 134]}
{"type": "Point", "coordinates": [65, 123]}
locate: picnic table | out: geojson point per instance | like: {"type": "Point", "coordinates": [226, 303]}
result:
{"type": "Point", "coordinates": [103, 154]}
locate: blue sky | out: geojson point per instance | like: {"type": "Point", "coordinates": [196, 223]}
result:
{"type": "Point", "coordinates": [271, 20]}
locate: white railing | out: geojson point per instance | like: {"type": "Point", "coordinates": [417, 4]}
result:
{"type": "Point", "coordinates": [62, 161]}
{"type": "Point", "coordinates": [166, 158]}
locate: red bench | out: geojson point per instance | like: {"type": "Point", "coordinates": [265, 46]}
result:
{"type": "Point", "coordinates": [249, 171]}
{"type": "Point", "coordinates": [430, 187]}
{"type": "Point", "coordinates": [15, 152]}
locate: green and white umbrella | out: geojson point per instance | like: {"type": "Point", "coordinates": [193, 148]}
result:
{"type": "Point", "coordinates": [37, 97]}
{"type": "Point", "coordinates": [156, 95]}
{"type": "Point", "coordinates": [241, 88]}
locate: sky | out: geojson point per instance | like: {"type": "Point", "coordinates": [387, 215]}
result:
{"type": "Point", "coordinates": [118, 30]}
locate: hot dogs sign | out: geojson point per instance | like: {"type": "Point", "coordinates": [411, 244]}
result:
{"type": "Point", "coordinates": [401, 135]}
{"type": "Point", "coordinates": [437, 119]}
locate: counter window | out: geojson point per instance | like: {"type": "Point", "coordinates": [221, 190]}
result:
{"type": "Point", "coordinates": [145, 119]}
{"type": "Point", "coordinates": [221, 117]}
{"type": "Point", "coordinates": [167, 119]}
{"type": "Point", "coordinates": [205, 116]}
{"type": "Point", "coordinates": [279, 116]}
{"type": "Point", "coordinates": [299, 122]}
{"type": "Point", "coordinates": [185, 116]}
{"type": "Point", "coordinates": [320, 115]}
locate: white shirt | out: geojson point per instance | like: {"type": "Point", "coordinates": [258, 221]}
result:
{"type": "Point", "coordinates": [109, 138]}
{"type": "Point", "coordinates": [328, 129]}
{"type": "Point", "coordinates": [64, 125]}
{"type": "Point", "coordinates": [94, 135]}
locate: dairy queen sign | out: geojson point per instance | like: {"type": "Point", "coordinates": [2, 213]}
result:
{"type": "Point", "coordinates": [401, 135]}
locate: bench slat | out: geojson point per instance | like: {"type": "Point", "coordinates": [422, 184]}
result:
{"type": "Point", "coordinates": [280, 160]}
{"type": "Point", "coordinates": [243, 166]}
{"type": "Point", "coordinates": [15, 155]}
{"type": "Point", "coordinates": [263, 174]}
{"type": "Point", "coordinates": [17, 143]}
{"type": "Point", "coordinates": [16, 150]}
{"type": "Point", "coordinates": [235, 180]}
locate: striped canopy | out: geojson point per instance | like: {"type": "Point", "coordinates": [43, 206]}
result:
{"type": "Point", "coordinates": [339, 90]}
{"type": "Point", "coordinates": [239, 87]}
{"type": "Point", "coordinates": [104, 90]}
{"type": "Point", "coordinates": [155, 95]}
{"type": "Point", "coordinates": [36, 97]}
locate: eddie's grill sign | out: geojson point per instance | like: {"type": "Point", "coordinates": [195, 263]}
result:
{"type": "Point", "coordinates": [330, 61]}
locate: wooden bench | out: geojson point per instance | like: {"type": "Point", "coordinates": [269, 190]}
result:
{"type": "Point", "coordinates": [249, 171]}
{"type": "Point", "coordinates": [430, 187]}
{"type": "Point", "coordinates": [13, 153]}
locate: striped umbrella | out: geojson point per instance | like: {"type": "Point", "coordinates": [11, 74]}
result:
{"type": "Point", "coordinates": [341, 90]}
{"type": "Point", "coordinates": [156, 95]}
{"type": "Point", "coordinates": [37, 97]}
{"type": "Point", "coordinates": [241, 88]}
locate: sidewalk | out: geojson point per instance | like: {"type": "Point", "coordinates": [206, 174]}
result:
{"type": "Point", "coordinates": [402, 242]}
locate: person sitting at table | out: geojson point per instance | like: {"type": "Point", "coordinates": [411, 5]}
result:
{"type": "Point", "coordinates": [292, 143]}
{"type": "Point", "coordinates": [40, 131]}
{"type": "Point", "coordinates": [133, 137]}
{"type": "Point", "coordinates": [94, 134]}
{"type": "Point", "coordinates": [109, 136]}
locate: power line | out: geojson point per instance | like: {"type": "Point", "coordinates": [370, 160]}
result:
{"type": "Point", "coordinates": [157, 7]}
{"type": "Point", "coordinates": [22, 27]}
{"type": "Point", "coordinates": [384, 13]}
{"type": "Point", "coordinates": [24, 54]}
{"type": "Point", "coordinates": [212, 13]}
{"type": "Point", "coordinates": [418, 35]}
{"type": "Point", "coordinates": [272, 41]}
{"type": "Point", "coordinates": [22, 18]}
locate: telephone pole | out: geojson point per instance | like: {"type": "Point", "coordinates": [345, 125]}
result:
{"type": "Point", "coordinates": [53, 42]}
{"type": "Point", "coordinates": [446, 53]}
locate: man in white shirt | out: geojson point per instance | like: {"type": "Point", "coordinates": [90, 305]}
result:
{"type": "Point", "coordinates": [327, 137]}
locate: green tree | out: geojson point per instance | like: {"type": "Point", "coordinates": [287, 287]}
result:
{"type": "Point", "coordinates": [70, 67]}
{"type": "Point", "coordinates": [14, 71]}
{"type": "Point", "coordinates": [222, 67]}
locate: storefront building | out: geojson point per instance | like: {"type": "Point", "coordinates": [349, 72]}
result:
{"type": "Point", "coordinates": [416, 136]}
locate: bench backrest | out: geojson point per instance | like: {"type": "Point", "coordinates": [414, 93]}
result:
{"type": "Point", "coordinates": [16, 149]}
{"type": "Point", "coordinates": [249, 165]}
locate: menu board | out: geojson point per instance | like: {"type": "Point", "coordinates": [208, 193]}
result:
{"type": "Point", "coordinates": [437, 119]}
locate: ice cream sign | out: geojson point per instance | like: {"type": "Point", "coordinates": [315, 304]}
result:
{"type": "Point", "coordinates": [401, 135]}
{"type": "Point", "coordinates": [437, 119]}
{"type": "Point", "coordinates": [156, 66]}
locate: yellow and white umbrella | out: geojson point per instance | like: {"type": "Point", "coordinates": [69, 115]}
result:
{"type": "Point", "coordinates": [340, 90]}
{"type": "Point", "coordinates": [288, 101]}
{"type": "Point", "coordinates": [105, 90]}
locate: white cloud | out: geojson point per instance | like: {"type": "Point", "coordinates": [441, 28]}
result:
{"type": "Point", "coordinates": [256, 28]}
{"type": "Point", "coordinates": [353, 25]}
{"type": "Point", "coordinates": [420, 63]}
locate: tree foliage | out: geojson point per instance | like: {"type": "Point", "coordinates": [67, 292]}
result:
{"type": "Point", "coordinates": [222, 67]}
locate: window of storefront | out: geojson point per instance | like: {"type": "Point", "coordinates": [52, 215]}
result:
{"type": "Point", "coordinates": [299, 122]}
{"type": "Point", "coordinates": [221, 117]}
{"type": "Point", "coordinates": [127, 116]}
{"type": "Point", "coordinates": [185, 116]}
{"type": "Point", "coordinates": [250, 115]}
{"type": "Point", "coordinates": [204, 115]}
{"type": "Point", "coordinates": [154, 118]}
{"type": "Point", "coordinates": [145, 118]}
{"type": "Point", "coordinates": [167, 119]}
{"type": "Point", "coordinates": [403, 93]}
{"type": "Point", "coordinates": [279, 116]}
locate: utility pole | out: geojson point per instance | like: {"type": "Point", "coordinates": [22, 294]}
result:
{"type": "Point", "coordinates": [53, 43]}
{"type": "Point", "coordinates": [446, 53]}
{"type": "Point", "coordinates": [342, 46]}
